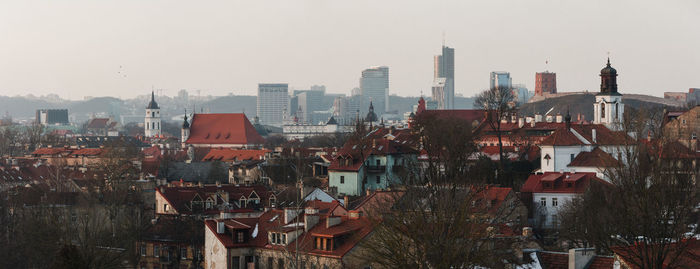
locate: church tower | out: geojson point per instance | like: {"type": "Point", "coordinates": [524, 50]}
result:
{"type": "Point", "coordinates": [152, 120]}
{"type": "Point", "coordinates": [185, 130]}
{"type": "Point", "coordinates": [608, 107]}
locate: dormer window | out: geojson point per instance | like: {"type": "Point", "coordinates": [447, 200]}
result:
{"type": "Point", "coordinates": [240, 237]}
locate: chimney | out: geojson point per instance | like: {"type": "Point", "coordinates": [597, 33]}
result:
{"type": "Point", "coordinates": [580, 257]}
{"type": "Point", "coordinates": [368, 192]}
{"type": "Point", "coordinates": [310, 221]}
{"type": "Point", "coordinates": [332, 221]}
{"type": "Point", "coordinates": [593, 135]}
{"type": "Point", "coordinates": [374, 143]}
{"type": "Point", "coordinates": [220, 227]}
{"type": "Point", "coordinates": [346, 201]}
{"type": "Point", "coordinates": [290, 214]}
{"type": "Point", "coordinates": [521, 122]}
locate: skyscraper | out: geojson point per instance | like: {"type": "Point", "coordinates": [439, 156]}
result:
{"type": "Point", "coordinates": [444, 79]}
{"type": "Point", "coordinates": [375, 87]}
{"type": "Point", "coordinates": [272, 103]}
{"type": "Point", "coordinates": [501, 80]}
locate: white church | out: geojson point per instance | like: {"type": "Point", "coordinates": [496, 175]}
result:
{"type": "Point", "coordinates": [590, 147]}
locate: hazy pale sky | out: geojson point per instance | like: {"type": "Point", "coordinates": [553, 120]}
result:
{"type": "Point", "coordinates": [76, 48]}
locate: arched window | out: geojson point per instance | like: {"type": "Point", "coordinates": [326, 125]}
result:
{"type": "Point", "coordinates": [602, 110]}
{"type": "Point", "coordinates": [153, 114]}
{"type": "Point", "coordinates": [617, 110]}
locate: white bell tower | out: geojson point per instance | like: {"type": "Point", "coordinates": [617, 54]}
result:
{"type": "Point", "coordinates": [152, 120]}
{"type": "Point", "coordinates": [608, 108]}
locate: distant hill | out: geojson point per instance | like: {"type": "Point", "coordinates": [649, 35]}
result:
{"type": "Point", "coordinates": [583, 103]}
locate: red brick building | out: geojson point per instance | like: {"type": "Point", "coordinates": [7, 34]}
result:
{"type": "Point", "coordinates": [545, 82]}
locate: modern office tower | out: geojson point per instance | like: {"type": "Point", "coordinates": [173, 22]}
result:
{"type": "Point", "coordinates": [500, 80]}
{"type": "Point", "coordinates": [52, 116]}
{"type": "Point", "coordinates": [273, 100]}
{"type": "Point", "coordinates": [346, 109]}
{"type": "Point", "coordinates": [375, 87]}
{"type": "Point", "coordinates": [522, 95]}
{"type": "Point", "coordinates": [444, 79]}
{"type": "Point", "coordinates": [438, 91]}
{"type": "Point", "coordinates": [308, 102]}
{"type": "Point", "coordinates": [545, 82]}
{"type": "Point", "coordinates": [152, 120]}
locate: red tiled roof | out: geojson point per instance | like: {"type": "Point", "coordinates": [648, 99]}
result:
{"type": "Point", "coordinates": [223, 128]}
{"type": "Point", "coordinates": [596, 158]}
{"type": "Point", "coordinates": [601, 262]}
{"type": "Point", "coordinates": [553, 260]}
{"type": "Point", "coordinates": [352, 152]}
{"type": "Point", "coordinates": [689, 258]}
{"type": "Point", "coordinates": [559, 182]}
{"type": "Point", "coordinates": [87, 152]}
{"type": "Point", "coordinates": [234, 154]}
{"type": "Point", "coordinates": [604, 136]}
{"type": "Point", "coordinates": [50, 151]}
{"type": "Point", "coordinates": [469, 115]}
{"type": "Point", "coordinates": [180, 197]}
{"type": "Point", "coordinates": [562, 137]}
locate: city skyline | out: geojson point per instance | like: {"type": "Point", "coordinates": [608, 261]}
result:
{"type": "Point", "coordinates": [83, 48]}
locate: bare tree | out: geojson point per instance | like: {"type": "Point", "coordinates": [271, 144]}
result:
{"type": "Point", "coordinates": [498, 103]}
{"type": "Point", "coordinates": [440, 218]}
{"type": "Point", "coordinates": [647, 213]}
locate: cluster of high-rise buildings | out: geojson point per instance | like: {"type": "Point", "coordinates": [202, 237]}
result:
{"type": "Point", "coordinates": [277, 106]}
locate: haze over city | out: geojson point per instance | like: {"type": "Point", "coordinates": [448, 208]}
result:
{"type": "Point", "coordinates": [124, 48]}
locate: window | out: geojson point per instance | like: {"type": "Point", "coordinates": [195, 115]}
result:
{"type": "Point", "coordinates": [284, 239]}
{"type": "Point", "coordinates": [342, 179]}
{"type": "Point", "coordinates": [165, 208]}
{"type": "Point", "coordinates": [156, 251]}
{"type": "Point", "coordinates": [683, 121]}
{"type": "Point", "coordinates": [269, 262]}
{"type": "Point", "coordinates": [602, 110]}
{"type": "Point", "coordinates": [273, 238]}
{"type": "Point", "coordinates": [239, 237]}
{"type": "Point", "coordinates": [379, 179]}
{"type": "Point", "coordinates": [555, 221]}
{"type": "Point", "coordinates": [555, 202]}
{"type": "Point", "coordinates": [543, 201]}
{"type": "Point", "coordinates": [280, 263]}
{"type": "Point", "coordinates": [236, 262]}
{"type": "Point", "coordinates": [143, 249]}
{"type": "Point", "coordinates": [694, 136]}
{"type": "Point", "coordinates": [153, 114]}
{"type": "Point", "coordinates": [379, 162]}
{"type": "Point", "coordinates": [183, 253]}
{"type": "Point", "coordinates": [572, 157]}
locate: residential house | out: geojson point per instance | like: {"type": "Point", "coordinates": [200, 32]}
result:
{"type": "Point", "coordinates": [207, 200]}
{"type": "Point", "coordinates": [546, 193]}
{"type": "Point", "coordinates": [321, 235]}
{"type": "Point", "coordinates": [683, 126]}
{"type": "Point", "coordinates": [374, 165]}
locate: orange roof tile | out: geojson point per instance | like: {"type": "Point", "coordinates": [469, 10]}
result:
{"type": "Point", "coordinates": [223, 128]}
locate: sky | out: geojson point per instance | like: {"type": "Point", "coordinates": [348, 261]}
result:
{"type": "Point", "coordinates": [124, 48]}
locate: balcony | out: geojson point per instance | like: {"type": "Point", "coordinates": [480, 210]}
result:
{"type": "Point", "coordinates": [376, 168]}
